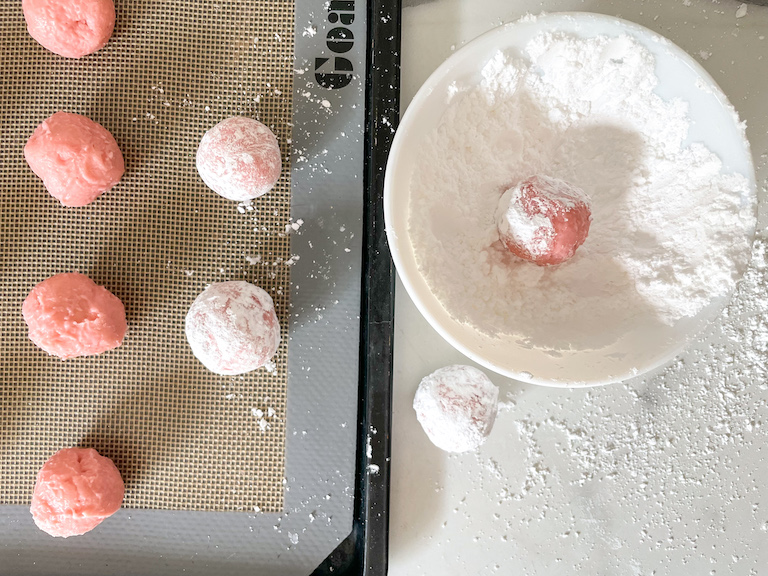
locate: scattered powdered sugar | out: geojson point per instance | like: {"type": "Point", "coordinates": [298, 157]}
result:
{"type": "Point", "coordinates": [670, 232]}
{"type": "Point", "coordinates": [264, 419]}
{"type": "Point", "coordinates": [294, 226]}
{"type": "Point", "coordinates": [691, 438]}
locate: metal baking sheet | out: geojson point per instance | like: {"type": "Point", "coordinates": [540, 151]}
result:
{"type": "Point", "coordinates": [327, 464]}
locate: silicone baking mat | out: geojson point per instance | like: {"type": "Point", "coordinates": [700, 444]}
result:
{"type": "Point", "coordinates": [182, 437]}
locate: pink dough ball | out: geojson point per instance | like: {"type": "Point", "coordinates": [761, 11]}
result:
{"type": "Point", "coordinates": [232, 327]}
{"type": "Point", "coordinates": [239, 159]}
{"type": "Point", "coordinates": [76, 490]}
{"type": "Point", "coordinates": [457, 407]}
{"type": "Point", "coordinates": [543, 220]}
{"type": "Point", "coordinates": [76, 158]}
{"type": "Point", "coordinates": [70, 28]}
{"type": "Point", "coordinates": [69, 315]}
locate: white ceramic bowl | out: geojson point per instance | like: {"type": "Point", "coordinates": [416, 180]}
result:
{"type": "Point", "coordinates": [641, 349]}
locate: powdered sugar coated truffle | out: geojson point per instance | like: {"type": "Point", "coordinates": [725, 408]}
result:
{"type": "Point", "coordinates": [543, 220]}
{"type": "Point", "coordinates": [239, 159]}
{"type": "Point", "coordinates": [69, 315]}
{"type": "Point", "coordinates": [76, 158]}
{"type": "Point", "coordinates": [71, 28]}
{"type": "Point", "coordinates": [457, 407]}
{"type": "Point", "coordinates": [76, 490]}
{"type": "Point", "coordinates": [232, 327]}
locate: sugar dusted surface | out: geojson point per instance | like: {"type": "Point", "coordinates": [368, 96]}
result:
{"type": "Point", "coordinates": [662, 474]}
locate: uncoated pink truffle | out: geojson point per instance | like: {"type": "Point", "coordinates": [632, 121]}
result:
{"type": "Point", "coordinates": [76, 158]}
{"type": "Point", "coordinates": [69, 315]}
{"type": "Point", "coordinates": [76, 490]}
{"type": "Point", "coordinates": [70, 28]}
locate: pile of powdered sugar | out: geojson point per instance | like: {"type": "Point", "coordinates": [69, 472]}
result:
{"type": "Point", "coordinates": [670, 232]}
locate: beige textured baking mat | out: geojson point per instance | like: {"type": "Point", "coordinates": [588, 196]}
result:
{"type": "Point", "coordinates": [182, 437]}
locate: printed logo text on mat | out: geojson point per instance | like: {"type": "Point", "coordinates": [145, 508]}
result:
{"type": "Point", "coordinates": [336, 71]}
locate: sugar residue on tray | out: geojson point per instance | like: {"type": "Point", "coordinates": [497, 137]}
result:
{"type": "Point", "coordinates": [670, 231]}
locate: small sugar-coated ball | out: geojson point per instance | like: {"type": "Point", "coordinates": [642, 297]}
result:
{"type": "Point", "coordinates": [76, 158]}
{"type": "Point", "coordinates": [76, 490]}
{"type": "Point", "coordinates": [543, 220]}
{"type": "Point", "coordinates": [457, 407]}
{"type": "Point", "coordinates": [69, 315]}
{"type": "Point", "coordinates": [232, 327]}
{"type": "Point", "coordinates": [70, 28]}
{"type": "Point", "coordinates": [239, 159]}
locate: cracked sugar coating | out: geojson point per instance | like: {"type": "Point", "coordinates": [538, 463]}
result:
{"type": "Point", "coordinates": [76, 490]}
{"type": "Point", "coordinates": [70, 28]}
{"type": "Point", "coordinates": [69, 316]}
{"type": "Point", "coordinates": [543, 220]}
{"type": "Point", "coordinates": [239, 159]}
{"type": "Point", "coordinates": [457, 407]}
{"type": "Point", "coordinates": [76, 158]}
{"type": "Point", "coordinates": [232, 327]}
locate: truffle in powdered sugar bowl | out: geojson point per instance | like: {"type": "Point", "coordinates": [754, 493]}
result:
{"type": "Point", "coordinates": [560, 216]}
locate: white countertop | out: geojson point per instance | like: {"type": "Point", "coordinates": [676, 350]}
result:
{"type": "Point", "coordinates": [659, 475]}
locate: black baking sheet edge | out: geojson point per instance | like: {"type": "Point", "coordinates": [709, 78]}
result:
{"type": "Point", "coordinates": [365, 551]}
